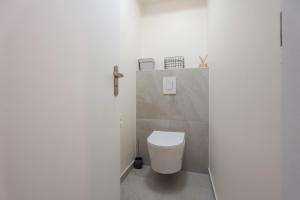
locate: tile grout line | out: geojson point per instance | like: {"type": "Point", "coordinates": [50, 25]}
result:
{"type": "Point", "coordinates": [212, 184]}
{"type": "Point", "coordinates": [126, 171]}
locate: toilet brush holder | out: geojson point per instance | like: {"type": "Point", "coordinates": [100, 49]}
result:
{"type": "Point", "coordinates": [138, 163]}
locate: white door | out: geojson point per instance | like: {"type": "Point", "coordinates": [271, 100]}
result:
{"type": "Point", "coordinates": [62, 132]}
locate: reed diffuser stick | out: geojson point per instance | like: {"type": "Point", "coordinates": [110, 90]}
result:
{"type": "Point", "coordinates": [203, 62]}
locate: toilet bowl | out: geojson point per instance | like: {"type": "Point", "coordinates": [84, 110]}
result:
{"type": "Point", "coordinates": [166, 151]}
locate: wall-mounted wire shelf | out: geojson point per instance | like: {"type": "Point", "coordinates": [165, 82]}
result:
{"type": "Point", "coordinates": [176, 62]}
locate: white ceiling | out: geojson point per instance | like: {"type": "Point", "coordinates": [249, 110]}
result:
{"type": "Point", "coordinates": [152, 1]}
{"type": "Point", "coordinates": [149, 1]}
{"type": "Point", "coordinates": [155, 1]}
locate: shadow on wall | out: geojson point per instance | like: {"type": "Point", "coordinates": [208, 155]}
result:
{"type": "Point", "coordinates": [154, 7]}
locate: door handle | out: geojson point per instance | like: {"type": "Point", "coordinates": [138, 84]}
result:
{"type": "Point", "coordinates": [116, 76]}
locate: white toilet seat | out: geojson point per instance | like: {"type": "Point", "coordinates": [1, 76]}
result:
{"type": "Point", "coordinates": [166, 140]}
{"type": "Point", "coordinates": [166, 151]}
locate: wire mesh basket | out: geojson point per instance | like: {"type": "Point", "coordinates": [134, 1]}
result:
{"type": "Point", "coordinates": [176, 62]}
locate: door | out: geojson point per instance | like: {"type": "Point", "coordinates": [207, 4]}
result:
{"type": "Point", "coordinates": [62, 132]}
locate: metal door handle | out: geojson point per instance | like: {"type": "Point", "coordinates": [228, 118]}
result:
{"type": "Point", "coordinates": [116, 75]}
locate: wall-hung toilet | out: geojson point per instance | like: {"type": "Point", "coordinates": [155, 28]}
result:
{"type": "Point", "coordinates": [166, 151]}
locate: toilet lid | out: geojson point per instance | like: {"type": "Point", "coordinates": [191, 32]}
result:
{"type": "Point", "coordinates": [166, 139]}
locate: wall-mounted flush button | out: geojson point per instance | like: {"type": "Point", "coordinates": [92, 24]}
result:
{"type": "Point", "coordinates": [169, 85]}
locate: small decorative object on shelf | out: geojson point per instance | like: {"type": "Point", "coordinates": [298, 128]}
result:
{"type": "Point", "coordinates": [146, 64]}
{"type": "Point", "coordinates": [203, 62]}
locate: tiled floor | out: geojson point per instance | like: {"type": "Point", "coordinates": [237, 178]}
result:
{"type": "Point", "coordinates": [145, 184]}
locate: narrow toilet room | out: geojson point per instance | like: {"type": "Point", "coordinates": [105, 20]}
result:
{"type": "Point", "coordinates": [149, 100]}
{"type": "Point", "coordinates": [167, 158]}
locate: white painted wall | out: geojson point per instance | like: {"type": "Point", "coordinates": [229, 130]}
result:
{"type": "Point", "coordinates": [130, 39]}
{"type": "Point", "coordinates": [2, 166]}
{"type": "Point", "coordinates": [291, 100]}
{"type": "Point", "coordinates": [245, 99]}
{"type": "Point", "coordinates": [4, 102]}
{"type": "Point", "coordinates": [174, 28]}
{"type": "Point", "coordinates": [2, 130]}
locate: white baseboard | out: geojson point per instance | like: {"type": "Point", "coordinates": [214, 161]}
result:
{"type": "Point", "coordinates": [212, 184]}
{"type": "Point", "coordinates": [126, 171]}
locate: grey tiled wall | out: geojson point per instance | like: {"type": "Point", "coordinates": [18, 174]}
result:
{"type": "Point", "coordinates": [186, 111]}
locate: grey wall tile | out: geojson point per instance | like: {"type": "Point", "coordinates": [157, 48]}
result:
{"type": "Point", "coordinates": [151, 102]}
{"type": "Point", "coordinates": [191, 101]}
{"type": "Point", "coordinates": [196, 147]}
{"type": "Point", "coordinates": [186, 111]}
{"type": "Point", "coordinates": [196, 150]}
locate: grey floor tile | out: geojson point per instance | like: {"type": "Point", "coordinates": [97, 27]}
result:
{"type": "Point", "coordinates": [145, 184]}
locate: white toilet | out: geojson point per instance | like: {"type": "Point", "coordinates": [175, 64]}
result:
{"type": "Point", "coordinates": [166, 151]}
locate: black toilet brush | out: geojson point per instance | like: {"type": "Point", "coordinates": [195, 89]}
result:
{"type": "Point", "coordinates": [138, 162]}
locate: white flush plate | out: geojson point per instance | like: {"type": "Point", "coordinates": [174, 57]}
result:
{"type": "Point", "coordinates": [169, 85]}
